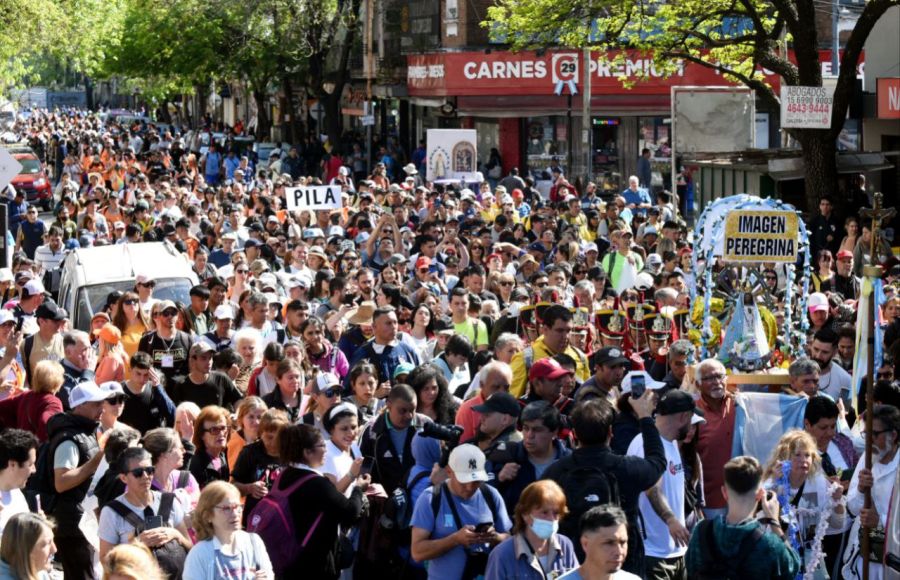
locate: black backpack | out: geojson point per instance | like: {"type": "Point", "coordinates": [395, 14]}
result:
{"type": "Point", "coordinates": [717, 566]}
{"type": "Point", "coordinates": [397, 512]}
{"type": "Point", "coordinates": [43, 481]}
{"type": "Point", "coordinates": [586, 487]}
{"type": "Point", "coordinates": [172, 554]}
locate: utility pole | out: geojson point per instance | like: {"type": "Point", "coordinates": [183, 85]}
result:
{"type": "Point", "coordinates": [369, 109]}
{"type": "Point", "coordinates": [586, 121]}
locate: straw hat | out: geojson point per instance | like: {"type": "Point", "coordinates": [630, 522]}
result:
{"type": "Point", "coordinates": [362, 314]}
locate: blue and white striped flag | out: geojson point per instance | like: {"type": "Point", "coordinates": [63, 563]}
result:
{"type": "Point", "coordinates": [761, 419]}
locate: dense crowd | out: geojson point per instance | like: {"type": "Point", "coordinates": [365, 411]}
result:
{"type": "Point", "coordinates": [431, 382]}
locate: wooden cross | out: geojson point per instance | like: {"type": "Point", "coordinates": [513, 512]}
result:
{"type": "Point", "coordinates": [878, 215]}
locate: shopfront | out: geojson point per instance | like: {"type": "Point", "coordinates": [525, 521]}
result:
{"type": "Point", "coordinates": [530, 104]}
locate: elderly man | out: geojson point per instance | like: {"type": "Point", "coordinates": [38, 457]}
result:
{"type": "Point", "coordinates": [78, 363]}
{"type": "Point", "coordinates": [715, 435]}
{"type": "Point", "coordinates": [493, 377]}
{"type": "Point", "coordinates": [804, 378]}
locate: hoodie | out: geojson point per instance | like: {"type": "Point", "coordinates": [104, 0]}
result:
{"type": "Point", "coordinates": [770, 557]}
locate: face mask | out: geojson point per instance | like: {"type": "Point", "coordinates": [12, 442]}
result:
{"type": "Point", "coordinates": [544, 529]}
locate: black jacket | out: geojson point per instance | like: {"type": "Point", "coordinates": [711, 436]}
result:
{"type": "Point", "coordinates": [319, 496]}
{"type": "Point", "coordinates": [376, 442]}
{"type": "Point", "coordinates": [512, 490]}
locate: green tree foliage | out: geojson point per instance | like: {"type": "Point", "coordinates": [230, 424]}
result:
{"type": "Point", "coordinates": [734, 37]}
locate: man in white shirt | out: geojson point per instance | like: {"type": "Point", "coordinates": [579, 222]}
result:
{"type": "Point", "coordinates": [18, 452]}
{"type": "Point", "coordinates": [662, 506]}
{"type": "Point", "coordinates": [604, 537]}
{"type": "Point", "coordinates": [834, 381]}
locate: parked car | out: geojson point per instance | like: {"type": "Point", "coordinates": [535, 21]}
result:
{"type": "Point", "coordinates": [89, 275]}
{"type": "Point", "coordinates": [32, 179]}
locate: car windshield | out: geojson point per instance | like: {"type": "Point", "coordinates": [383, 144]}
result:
{"type": "Point", "coordinates": [30, 166]}
{"type": "Point", "coordinates": [174, 289]}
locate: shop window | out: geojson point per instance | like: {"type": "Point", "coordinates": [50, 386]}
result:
{"type": "Point", "coordinates": [547, 138]}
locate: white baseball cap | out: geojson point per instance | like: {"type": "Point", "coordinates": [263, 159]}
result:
{"type": "Point", "coordinates": [87, 392]}
{"type": "Point", "coordinates": [649, 382]}
{"type": "Point", "coordinates": [6, 316]}
{"type": "Point", "coordinates": [817, 301]}
{"type": "Point", "coordinates": [112, 388]}
{"type": "Point", "coordinates": [327, 380]}
{"type": "Point", "coordinates": [34, 287]}
{"type": "Point", "coordinates": [223, 311]}
{"type": "Point", "coordinates": [467, 463]}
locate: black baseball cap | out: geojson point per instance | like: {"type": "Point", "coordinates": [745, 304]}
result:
{"type": "Point", "coordinates": [500, 402]}
{"type": "Point", "coordinates": [675, 401]}
{"type": "Point", "coordinates": [49, 310]}
{"type": "Point", "coordinates": [610, 356]}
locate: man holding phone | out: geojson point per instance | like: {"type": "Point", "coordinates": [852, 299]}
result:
{"type": "Point", "coordinates": [455, 525]}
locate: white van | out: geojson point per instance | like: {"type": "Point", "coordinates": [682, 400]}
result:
{"type": "Point", "coordinates": [89, 275]}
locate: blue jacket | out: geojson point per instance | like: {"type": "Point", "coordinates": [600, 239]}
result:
{"type": "Point", "coordinates": [512, 559]}
{"type": "Point", "coordinates": [389, 359]}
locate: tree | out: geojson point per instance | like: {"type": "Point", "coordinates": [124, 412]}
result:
{"type": "Point", "coordinates": [735, 37]}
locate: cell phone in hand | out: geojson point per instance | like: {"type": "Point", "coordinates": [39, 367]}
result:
{"type": "Point", "coordinates": [154, 522]}
{"type": "Point", "coordinates": [638, 386]}
{"type": "Point", "coordinates": [483, 527]}
{"type": "Point", "coordinates": [367, 465]}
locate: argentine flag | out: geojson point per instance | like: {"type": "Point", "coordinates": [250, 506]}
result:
{"type": "Point", "coordinates": [761, 419]}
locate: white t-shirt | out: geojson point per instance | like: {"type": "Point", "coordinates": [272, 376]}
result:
{"type": "Point", "coordinates": [338, 463]}
{"type": "Point", "coordinates": [659, 543]}
{"type": "Point", "coordinates": [13, 502]}
{"type": "Point", "coordinates": [836, 383]}
{"type": "Point", "coordinates": [620, 575]}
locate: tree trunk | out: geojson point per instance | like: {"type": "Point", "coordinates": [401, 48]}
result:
{"type": "Point", "coordinates": [201, 106]}
{"type": "Point", "coordinates": [333, 118]}
{"type": "Point", "coordinates": [820, 167]}
{"type": "Point", "coordinates": [292, 134]}
{"type": "Point", "coordinates": [263, 124]}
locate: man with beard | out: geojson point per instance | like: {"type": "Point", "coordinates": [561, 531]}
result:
{"type": "Point", "coordinates": [834, 381]}
{"type": "Point", "coordinates": [716, 433]}
{"type": "Point", "coordinates": [662, 506]}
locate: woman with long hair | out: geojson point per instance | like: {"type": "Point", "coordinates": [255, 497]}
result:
{"type": "Point", "coordinates": [823, 274]}
{"type": "Point", "coordinates": [167, 457]}
{"type": "Point", "coordinates": [366, 394]}
{"type": "Point", "coordinates": [112, 360]}
{"type": "Point", "coordinates": [548, 553]}
{"type": "Point", "coordinates": [210, 439]}
{"type": "Point", "coordinates": [26, 548]}
{"type": "Point", "coordinates": [433, 395]}
{"type": "Point", "coordinates": [806, 487]}
{"type": "Point", "coordinates": [249, 412]}
{"type": "Point", "coordinates": [223, 549]}
{"type": "Point", "coordinates": [476, 252]}
{"type": "Point", "coordinates": [257, 467]}
{"type": "Point", "coordinates": [421, 334]}
{"type": "Point", "coordinates": [319, 350]}
{"type": "Point", "coordinates": [851, 226]}
{"type": "Point", "coordinates": [131, 322]}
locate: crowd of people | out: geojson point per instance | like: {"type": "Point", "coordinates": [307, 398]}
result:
{"type": "Point", "coordinates": [430, 382]}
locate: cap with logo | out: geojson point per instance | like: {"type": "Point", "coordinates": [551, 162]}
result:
{"type": "Point", "coordinates": [467, 462]}
{"type": "Point", "coordinates": [112, 388]}
{"type": "Point", "coordinates": [325, 381]}
{"type": "Point", "coordinates": [201, 347]}
{"type": "Point", "coordinates": [50, 310]}
{"type": "Point", "coordinates": [610, 356]}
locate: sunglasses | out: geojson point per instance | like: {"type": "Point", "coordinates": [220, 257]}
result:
{"type": "Point", "coordinates": [216, 430]}
{"type": "Point", "coordinates": [423, 270]}
{"type": "Point", "coordinates": [139, 472]}
{"type": "Point", "coordinates": [169, 313]}
{"type": "Point", "coordinates": [148, 284]}
{"type": "Point", "coordinates": [506, 283]}
{"type": "Point", "coordinates": [242, 271]}
{"type": "Point", "coordinates": [330, 392]}
{"type": "Point", "coordinates": [117, 400]}
{"type": "Point", "coordinates": [130, 302]}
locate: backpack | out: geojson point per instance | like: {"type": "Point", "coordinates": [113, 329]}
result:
{"type": "Point", "coordinates": [43, 481]}
{"type": "Point", "coordinates": [397, 511]}
{"type": "Point", "coordinates": [716, 566]}
{"type": "Point", "coordinates": [272, 521]}
{"type": "Point", "coordinates": [172, 554]}
{"type": "Point", "coordinates": [586, 487]}
{"type": "Point", "coordinates": [476, 563]}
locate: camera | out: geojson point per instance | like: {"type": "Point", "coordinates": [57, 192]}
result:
{"type": "Point", "coordinates": [448, 433]}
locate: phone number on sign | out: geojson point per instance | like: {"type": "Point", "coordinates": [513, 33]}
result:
{"type": "Point", "coordinates": [807, 108]}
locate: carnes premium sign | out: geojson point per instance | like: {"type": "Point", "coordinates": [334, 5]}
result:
{"type": "Point", "coordinates": [761, 236]}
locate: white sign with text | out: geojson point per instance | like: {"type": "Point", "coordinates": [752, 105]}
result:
{"type": "Point", "coordinates": [313, 197]}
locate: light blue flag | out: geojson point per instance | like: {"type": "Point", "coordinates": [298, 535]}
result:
{"type": "Point", "coordinates": [761, 419]}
